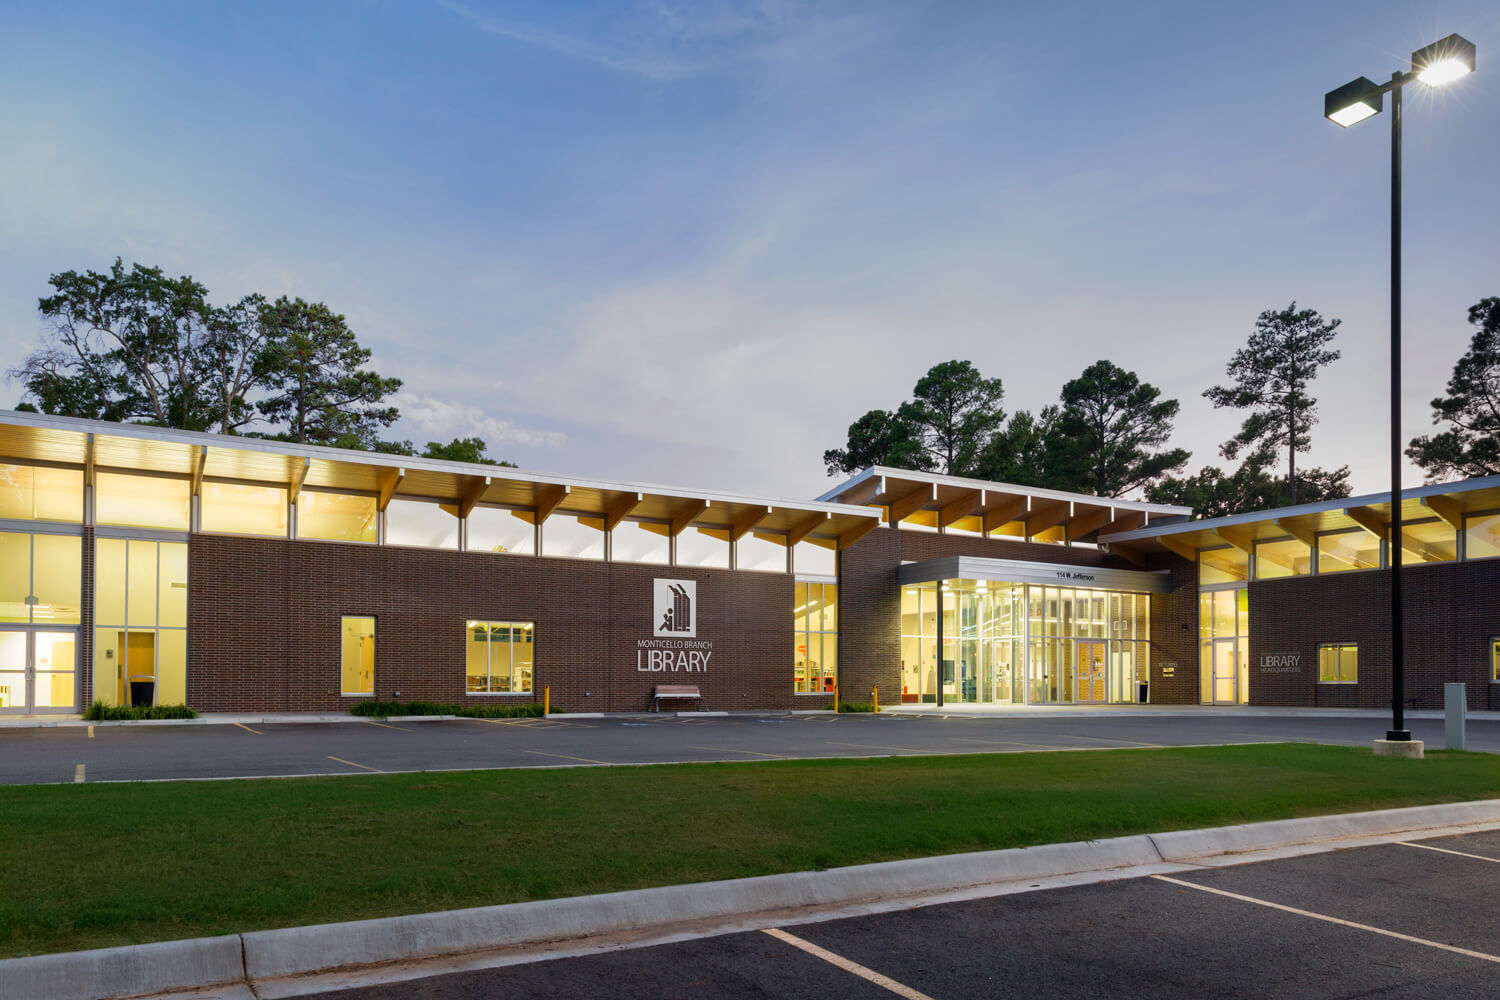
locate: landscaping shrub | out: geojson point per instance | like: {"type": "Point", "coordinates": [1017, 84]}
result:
{"type": "Point", "coordinates": [100, 712]}
{"type": "Point", "coordinates": [856, 706]}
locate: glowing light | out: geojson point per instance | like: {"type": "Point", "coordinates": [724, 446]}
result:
{"type": "Point", "coordinates": [1353, 114]}
{"type": "Point", "coordinates": [1444, 71]}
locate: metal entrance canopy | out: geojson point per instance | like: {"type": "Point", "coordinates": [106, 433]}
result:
{"type": "Point", "coordinates": [1020, 571]}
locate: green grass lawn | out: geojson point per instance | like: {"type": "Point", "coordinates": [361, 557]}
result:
{"type": "Point", "coordinates": [89, 866]}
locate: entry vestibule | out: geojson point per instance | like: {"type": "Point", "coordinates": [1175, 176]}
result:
{"type": "Point", "coordinates": [38, 670]}
{"type": "Point", "coordinates": [1083, 640]}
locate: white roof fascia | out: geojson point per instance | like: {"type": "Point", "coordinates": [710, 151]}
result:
{"type": "Point", "coordinates": [1032, 491]}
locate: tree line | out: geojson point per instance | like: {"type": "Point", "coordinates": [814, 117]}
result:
{"type": "Point", "coordinates": [1109, 432]}
{"type": "Point", "coordinates": [138, 345]}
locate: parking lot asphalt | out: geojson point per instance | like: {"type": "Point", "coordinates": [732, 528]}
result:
{"type": "Point", "coordinates": [1412, 920]}
{"type": "Point", "coordinates": [165, 752]}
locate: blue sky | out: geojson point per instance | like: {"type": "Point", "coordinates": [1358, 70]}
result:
{"type": "Point", "coordinates": [690, 242]}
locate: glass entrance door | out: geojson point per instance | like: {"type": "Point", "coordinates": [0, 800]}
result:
{"type": "Point", "coordinates": [38, 671]}
{"type": "Point", "coordinates": [1226, 672]}
{"type": "Point", "coordinates": [1091, 673]}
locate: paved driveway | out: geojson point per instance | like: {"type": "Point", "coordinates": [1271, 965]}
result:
{"type": "Point", "coordinates": [142, 752]}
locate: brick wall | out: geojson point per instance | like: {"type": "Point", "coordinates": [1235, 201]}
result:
{"type": "Point", "coordinates": [1451, 613]}
{"type": "Point", "coordinates": [264, 625]}
{"type": "Point", "coordinates": [1174, 635]}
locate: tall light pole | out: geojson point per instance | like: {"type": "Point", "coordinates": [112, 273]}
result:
{"type": "Point", "coordinates": [1439, 63]}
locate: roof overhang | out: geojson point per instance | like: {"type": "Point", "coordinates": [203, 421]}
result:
{"type": "Point", "coordinates": [1019, 571]}
{"type": "Point", "coordinates": [943, 502]}
{"type": "Point", "coordinates": [97, 445]}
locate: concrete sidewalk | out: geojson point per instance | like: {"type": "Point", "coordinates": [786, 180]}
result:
{"type": "Point", "coordinates": [300, 960]}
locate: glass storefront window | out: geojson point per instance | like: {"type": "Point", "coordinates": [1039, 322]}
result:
{"type": "Point", "coordinates": [499, 657]}
{"type": "Point", "coordinates": [336, 517]}
{"type": "Point", "coordinates": [41, 578]}
{"type": "Point", "coordinates": [1482, 536]}
{"type": "Point", "coordinates": [1429, 541]}
{"type": "Point", "coordinates": [357, 655]}
{"type": "Point", "coordinates": [1225, 565]}
{"type": "Point", "coordinates": [496, 529]}
{"type": "Point", "coordinates": [140, 613]}
{"type": "Point", "coordinates": [428, 525]}
{"type": "Point", "coordinates": [41, 493]}
{"type": "Point", "coordinates": [815, 637]}
{"type": "Point", "coordinates": [1348, 550]}
{"type": "Point", "coordinates": [638, 542]}
{"type": "Point", "coordinates": [238, 509]}
{"type": "Point", "coordinates": [1281, 558]}
{"type": "Point", "coordinates": [133, 501]}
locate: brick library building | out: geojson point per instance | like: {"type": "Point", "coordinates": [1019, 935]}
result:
{"type": "Point", "coordinates": [140, 565]}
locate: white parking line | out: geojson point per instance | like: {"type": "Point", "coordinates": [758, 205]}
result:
{"type": "Point", "coordinates": [1332, 920]}
{"type": "Point", "coordinates": [1444, 850]}
{"type": "Point", "coordinates": [900, 989]}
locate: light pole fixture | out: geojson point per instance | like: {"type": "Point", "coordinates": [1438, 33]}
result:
{"type": "Point", "coordinates": [1441, 62]}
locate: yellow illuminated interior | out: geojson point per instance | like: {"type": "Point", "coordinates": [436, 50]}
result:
{"type": "Point", "coordinates": [142, 501]}
{"type": "Point", "coordinates": [358, 656]}
{"type": "Point", "coordinates": [238, 509]}
{"type": "Point", "coordinates": [41, 494]}
{"type": "Point", "coordinates": [336, 517]}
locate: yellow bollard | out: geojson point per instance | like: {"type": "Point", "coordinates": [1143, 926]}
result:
{"type": "Point", "coordinates": [875, 697]}
{"type": "Point", "coordinates": [546, 700]}
{"type": "Point", "coordinates": [835, 699]}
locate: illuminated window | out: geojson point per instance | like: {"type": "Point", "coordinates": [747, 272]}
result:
{"type": "Point", "coordinates": [357, 655]}
{"type": "Point", "coordinates": [1495, 659]}
{"type": "Point", "coordinates": [1429, 541]}
{"type": "Point", "coordinates": [759, 551]}
{"type": "Point", "coordinates": [142, 501]}
{"type": "Point", "coordinates": [1482, 536]}
{"type": "Point", "coordinates": [238, 509]}
{"type": "Point", "coordinates": [641, 542]}
{"type": "Point", "coordinates": [1225, 565]}
{"type": "Point", "coordinates": [1338, 663]}
{"type": "Point", "coordinates": [41, 494]}
{"type": "Point", "coordinates": [1283, 557]}
{"type": "Point", "coordinates": [499, 657]}
{"type": "Point", "coordinates": [572, 537]}
{"type": "Point", "coordinates": [815, 627]}
{"type": "Point", "coordinates": [704, 547]}
{"type": "Point", "coordinates": [815, 558]}
{"type": "Point", "coordinates": [1348, 550]}
{"type": "Point", "coordinates": [140, 614]}
{"type": "Point", "coordinates": [335, 517]}
{"type": "Point", "coordinates": [41, 578]}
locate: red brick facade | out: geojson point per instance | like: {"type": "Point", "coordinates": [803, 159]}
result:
{"type": "Point", "coordinates": [263, 626]}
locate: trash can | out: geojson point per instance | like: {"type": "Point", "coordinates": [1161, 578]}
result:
{"type": "Point", "coordinates": [143, 692]}
{"type": "Point", "coordinates": [1142, 692]}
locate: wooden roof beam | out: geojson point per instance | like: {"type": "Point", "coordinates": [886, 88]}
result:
{"type": "Point", "coordinates": [1006, 511]}
{"type": "Point", "coordinates": [620, 509]}
{"type": "Point", "coordinates": [388, 487]}
{"type": "Point", "coordinates": [1048, 517]}
{"type": "Point", "coordinates": [472, 495]}
{"type": "Point", "coordinates": [747, 522]}
{"type": "Point", "coordinates": [200, 459]}
{"type": "Point", "coordinates": [1125, 520]}
{"type": "Point", "coordinates": [298, 477]}
{"type": "Point", "coordinates": [1240, 539]}
{"type": "Point", "coordinates": [1297, 531]}
{"type": "Point", "coordinates": [805, 527]}
{"type": "Point", "coordinates": [1088, 522]}
{"type": "Point", "coordinates": [959, 508]}
{"type": "Point", "coordinates": [548, 498]}
{"type": "Point", "coordinates": [1180, 546]}
{"type": "Point", "coordinates": [903, 507]}
{"type": "Point", "coordinates": [1447, 508]}
{"type": "Point", "coordinates": [1370, 519]}
{"type": "Point", "coordinates": [687, 516]}
{"type": "Point", "coordinates": [857, 532]}
{"type": "Point", "coordinates": [1127, 553]}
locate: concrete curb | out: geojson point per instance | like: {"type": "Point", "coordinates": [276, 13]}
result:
{"type": "Point", "coordinates": [262, 955]}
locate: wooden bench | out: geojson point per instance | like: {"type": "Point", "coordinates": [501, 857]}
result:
{"type": "Point", "coordinates": [675, 691]}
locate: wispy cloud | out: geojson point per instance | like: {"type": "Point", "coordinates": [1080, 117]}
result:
{"type": "Point", "coordinates": [442, 418]}
{"type": "Point", "coordinates": [652, 64]}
